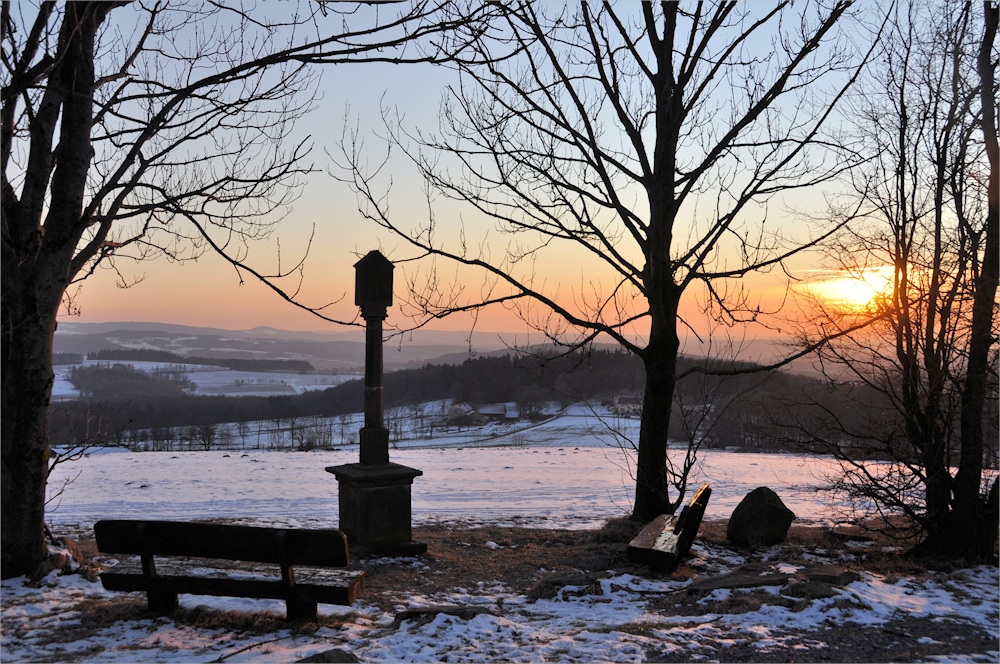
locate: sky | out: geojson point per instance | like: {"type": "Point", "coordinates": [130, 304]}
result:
{"type": "Point", "coordinates": [209, 293]}
{"type": "Point", "coordinates": [213, 295]}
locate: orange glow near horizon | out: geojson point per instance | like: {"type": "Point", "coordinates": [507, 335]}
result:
{"type": "Point", "coordinates": [854, 291]}
{"type": "Point", "coordinates": [207, 293]}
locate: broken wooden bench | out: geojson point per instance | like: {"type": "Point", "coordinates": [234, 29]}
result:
{"type": "Point", "coordinates": [301, 567]}
{"type": "Point", "coordinates": [667, 538]}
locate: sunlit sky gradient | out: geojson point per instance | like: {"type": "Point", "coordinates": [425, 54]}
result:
{"type": "Point", "coordinates": [208, 293]}
{"type": "Point", "coordinates": [853, 291]}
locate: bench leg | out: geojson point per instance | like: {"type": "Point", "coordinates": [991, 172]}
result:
{"type": "Point", "coordinates": [161, 600]}
{"type": "Point", "coordinates": [298, 609]}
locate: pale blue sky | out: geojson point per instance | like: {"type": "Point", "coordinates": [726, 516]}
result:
{"type": "Point", "coordinates": [207, 292]}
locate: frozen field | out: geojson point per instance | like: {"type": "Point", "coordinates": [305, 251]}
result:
{"type": "Point", "coordinates": [217, 380]}
{"type": "Point", "coordinates": [562, 473]}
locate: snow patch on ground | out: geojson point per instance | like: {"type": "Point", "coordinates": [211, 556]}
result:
{"type": "Point", "coordinates": [576, 485]}
{"type": "Point", "coordinates": [609, 622]}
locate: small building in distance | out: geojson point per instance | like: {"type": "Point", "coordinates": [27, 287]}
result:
{"type": "Point", "coordinates": [463, 414]}
{"type": "Point", "coordinates": [494, 412]}
{"type": "Point", "coordinates": [627, 405]}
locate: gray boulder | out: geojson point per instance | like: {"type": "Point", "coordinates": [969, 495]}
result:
{"type": "Point", "coordinates": [761, 519]}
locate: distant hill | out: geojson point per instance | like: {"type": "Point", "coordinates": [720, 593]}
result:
{"type": "Point", "coordinates": [738, 408]}
{"type": "Point", "coordinates": [236, 364]}
{"type": "Point", "coordinates": [338, 350]}
{"type": "Point", "coordinates": [326, 351]}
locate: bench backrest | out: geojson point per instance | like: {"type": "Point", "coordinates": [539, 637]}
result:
{"type": "Point", "coordinates": [283, 546]}
{"type": "Point", "coordinates": [690, 520]}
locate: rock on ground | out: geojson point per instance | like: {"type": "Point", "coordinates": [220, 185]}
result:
{"type": "Point", "coordinates": [761, 519]}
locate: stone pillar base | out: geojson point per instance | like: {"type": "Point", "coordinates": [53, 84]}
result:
{"type": "Point", "coordinates": [375, 508]}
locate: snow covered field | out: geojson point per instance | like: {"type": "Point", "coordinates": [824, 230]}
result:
{"type": "Point", "coordinates": [567, 472]}
{"type": "Point", "coordinates": [560, 475]}
{"type": "Point", "coordinates": [216, 381]}
{"type": "Point", "coordinates": [559, 487]}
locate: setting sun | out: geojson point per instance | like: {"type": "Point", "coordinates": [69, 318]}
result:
{"type": "Point", "coordinates": [855, 291]}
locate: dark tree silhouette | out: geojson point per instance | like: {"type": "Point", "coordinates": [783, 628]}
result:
{"type": "Point", "coordinates": [925, 372]}
{"type": "Point", "coordinates": [643, 141]}
{"type": "Point", "coordinates": [132, 130]}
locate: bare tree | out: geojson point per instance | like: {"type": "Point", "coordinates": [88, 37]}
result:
{"type": "Point", "coordinates": [415, 412]}
{"type": "Point", "coordinates": [925, 370]}
{"type": "Point", "coordinates": [296, 430]}
{"type": "Point", "coordinates": [243, 428]}
{"type": "Point", "coordinates": [187, 435]}
{"type": "Point", "coordinates": [131, 130]}
{"type": "Point", "coordinates": [225, 436]}
{"type": "Point", "coordinates": [162, 438]}
{"type": "Point", "coordinates": [646, 142]}
{"type": "Point", "coordinates": [395, 422]}
{"type": "Point", "coordinates": [972, 513]}
{"type": "Point", "coordinates": [343, 428]}
{"type": "Point", "coordinates": [206, 435]}
{"type": "Point", "coordinates": [323, 433]}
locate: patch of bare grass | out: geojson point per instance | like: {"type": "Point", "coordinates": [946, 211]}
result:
{"type": "Point", "coordinates": [62, 655]}
{"type": "Point", "coordinates": [513, 557]}
{"type": "Point", "coordinates": [857, 546]}
{"type": "Point", "coordinates": [251, 622]}
{"type": "Point", "coordinates": [104, 613]}
{"type": "Point", "coordinates": [95, 616]}
{"type": "Point", "coordinates": [638, 628]}
{"type": "Point", "coordinates": [617, 531]}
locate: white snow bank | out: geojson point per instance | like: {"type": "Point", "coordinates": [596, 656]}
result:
{"type": "Point", "coordinates": [558, 487]}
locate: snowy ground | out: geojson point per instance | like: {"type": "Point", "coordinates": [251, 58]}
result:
{"type": "Point", "coordinates": [216, 381]}
{"type": "Point", "coordinates": [567, 472]}
{"type": "Point", "coordinates": [609, 623]}
{"type": "Point", "coordinates": [559, 476]}
{"type": "Point", "coordinates": [567, 487]}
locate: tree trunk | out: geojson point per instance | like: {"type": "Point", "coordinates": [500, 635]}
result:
{"type": "Point", "coordinates": [29, 312]}
{"type": "Point", "coordinates": [981, 337]}
{"type": "Point", "coordinates": [662, 293]}
{"type": "Point", "coordinates": [660, 360]}
{"type": "Point", "coordinates": [976, 518]}
{"type": "Point", "coordinates": [969, 535]}
{"type": "Point", "coordinates": [38, 261]}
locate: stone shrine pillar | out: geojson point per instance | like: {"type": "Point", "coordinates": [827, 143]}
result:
{"type": "Point", "coordinates": [375, 493]}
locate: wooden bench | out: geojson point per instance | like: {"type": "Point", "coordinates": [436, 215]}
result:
{"type": "Point", "coordinates": [668, 538]}
{"type": "Point", "coordinates": [199, 559]}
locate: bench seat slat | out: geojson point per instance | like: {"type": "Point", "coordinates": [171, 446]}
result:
{"type": "Point", "coordinates": [200, 577]}
{"type": "Point", "coordinates": [209, 540]}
